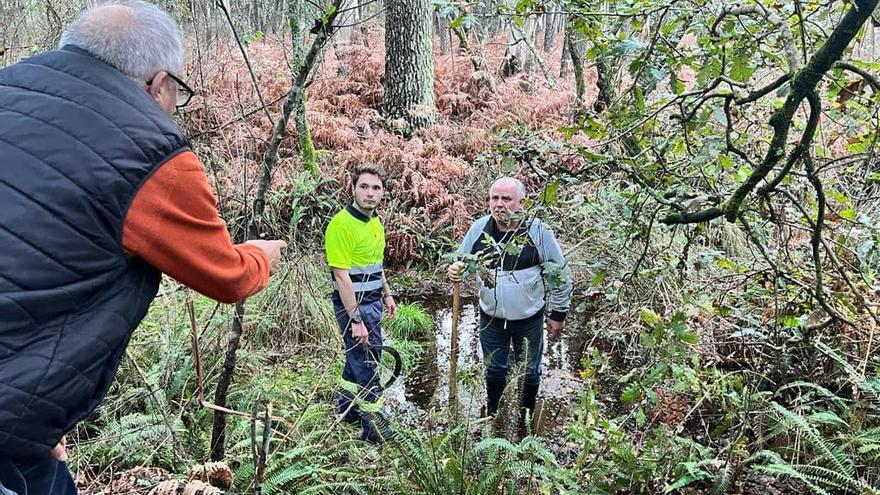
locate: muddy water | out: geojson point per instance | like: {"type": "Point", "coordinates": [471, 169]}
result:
{"type": "Point", "coordinates": [427, 387]}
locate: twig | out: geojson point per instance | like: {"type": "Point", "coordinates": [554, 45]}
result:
{"type": "Point", "coordinates": [222, 5]}
{"type": "Point", "coordinates": [262, 454]}
{"type": "Point", "coordinates": [779, 23]}
{"type": "Point", "coordinates": [233, 120]}
{"type": "Point", "coordinates": [867, 76]}
{"type": "Point", "coordinates": [760, 93]}
{"type": "Point", "coordinates": [200, 387]}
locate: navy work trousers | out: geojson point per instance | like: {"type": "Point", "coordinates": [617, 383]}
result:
{"type": "Point", "coordinates": [360, 361]}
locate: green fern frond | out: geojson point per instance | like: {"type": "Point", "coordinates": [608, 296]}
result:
{"type": "Point", "coordinates": [837, 400]}
{"type": "Point", "coordinates": [788, 471]}
{"type": "Point", "coordinates": [827, 450]}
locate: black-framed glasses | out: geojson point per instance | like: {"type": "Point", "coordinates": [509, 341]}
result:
{"type": "Point", "coordinates": [184, 92]}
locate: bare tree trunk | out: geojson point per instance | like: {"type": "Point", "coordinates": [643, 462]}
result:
{"type": "Point", "coordinates": [218, 431]}
{"type": "Point", "coordinates": [563, 63]}
{"type": "Point", "coordinates": [490, 27]}
{"type": "Point", "coordinates": [604, 83]}
{"type": "Point", "coordinates": [441, 28]}
{"type": "Point", "coordinates": [349, 16]}
{"type": "Point", "coordinates": [409, 63]}
{"type": "Point", "coordinates": [550, 26]}
{"type": "Point", "coordinates": [574, 50]}
{"type": "Point", "coordinates": [519, 57]}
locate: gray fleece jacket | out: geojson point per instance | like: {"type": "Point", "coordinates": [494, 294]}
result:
{"type": "Point", "coordinates": [522, 271]}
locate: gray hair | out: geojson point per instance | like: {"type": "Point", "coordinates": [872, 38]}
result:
{"type": "Point", "coordinates": [136, 37]}
{"type": "Point", "coordinates": [520, 188]}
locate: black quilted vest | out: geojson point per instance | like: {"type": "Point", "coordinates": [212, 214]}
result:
{"type": "Point", "coordinates": [77, 140]}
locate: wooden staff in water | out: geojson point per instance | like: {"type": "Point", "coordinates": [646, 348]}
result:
{"type": "Point", "coordinates": [453, 345]}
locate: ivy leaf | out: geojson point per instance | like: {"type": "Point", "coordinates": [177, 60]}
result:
{"type": "Point", "coordinates": [631, 394]}
{"type": "Point", "coordinates": [740, 69]}
{"type": "Point", "coordinates": [550, 195]}
{"type": "Point", "coordinates": [675, 83]}
{"type": "Point", "coordinates": [649, 317]}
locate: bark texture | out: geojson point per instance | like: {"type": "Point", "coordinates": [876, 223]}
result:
{"type": "Point", "coordinates": [409, 63]}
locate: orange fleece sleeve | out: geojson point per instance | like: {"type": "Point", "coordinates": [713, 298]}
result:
{"type": "Point", "coordinates": [173, 225]}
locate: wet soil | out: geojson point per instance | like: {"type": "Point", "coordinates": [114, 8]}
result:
{"type": "Point", "coordinates": [426, 389]}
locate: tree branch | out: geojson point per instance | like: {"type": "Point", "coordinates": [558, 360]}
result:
{"type": "Point", "coordinates": [790, 47]}
{"type": "Point", "coordinates": [867, 76]}
{"type": "Point", "coordinates": [760, 93]}
{"type": "Point", "coordinates": [802, 147]}
{"type": "Point", "coordinates": [271, 157]}
{"type": "Point", "coordinates": [803, 83]}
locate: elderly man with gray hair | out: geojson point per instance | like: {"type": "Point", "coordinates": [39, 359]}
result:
{"type": "Point", "coordinates": [522, 256]}
{"type": "Point", "coordinates": [100, 194]}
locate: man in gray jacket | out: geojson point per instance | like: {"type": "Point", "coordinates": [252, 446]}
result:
{"type": "Point", "coordinates": [520, 260]}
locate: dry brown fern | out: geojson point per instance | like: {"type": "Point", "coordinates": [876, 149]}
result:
{"type": "Point", "coordinates": [174, 487]}
{"type": "Point", "coordinates": [216, 473]}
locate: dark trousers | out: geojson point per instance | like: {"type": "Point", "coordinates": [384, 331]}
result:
{"type": "Point", "coordinates": [496, 338]}
{"type": "Point", "coordinates": [46, 477]}
{"type": "Point", "coordinates": [360, 362]}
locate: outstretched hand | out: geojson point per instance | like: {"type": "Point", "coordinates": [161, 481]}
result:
{"type": "Point", "coordinates": [272, 249]}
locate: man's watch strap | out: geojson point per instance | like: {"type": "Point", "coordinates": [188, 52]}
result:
{"type": "Point", "coordinates": [356, 317]}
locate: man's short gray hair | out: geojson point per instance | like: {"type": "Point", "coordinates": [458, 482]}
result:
{"type": "Point", "coordinates": [520, 187]}
{"type": "Point", "coordinates": [136, 37]}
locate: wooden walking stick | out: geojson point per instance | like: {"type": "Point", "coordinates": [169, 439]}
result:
{"type": "Point", "coordinates": [453, 347]}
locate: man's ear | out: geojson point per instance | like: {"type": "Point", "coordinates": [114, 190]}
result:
{"type": "Point", "coordinates": [157, 85]}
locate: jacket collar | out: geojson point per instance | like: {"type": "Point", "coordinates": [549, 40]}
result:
{"type": "Point", "coordinates": [357, 213]}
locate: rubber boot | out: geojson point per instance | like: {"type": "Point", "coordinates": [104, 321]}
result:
{"type": "Point", "coordinates": [494, 389]}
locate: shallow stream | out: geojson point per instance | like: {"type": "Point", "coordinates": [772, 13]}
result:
{"type": "Point", "coordinates": [427, 386]}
